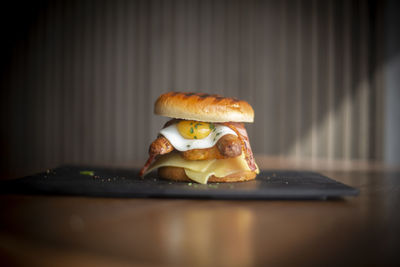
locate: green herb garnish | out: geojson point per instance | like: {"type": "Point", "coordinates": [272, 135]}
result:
{"type": "Point", "coordinates": [191, 130]}
{"type": "Point", "coordinates": [187, 145]}
{"type": "Point", "coordinates": [212, 126]}
{"type": "Point", "coordinates": [195, 137]}
{"type": "Point", "coordinates": [90, 173]}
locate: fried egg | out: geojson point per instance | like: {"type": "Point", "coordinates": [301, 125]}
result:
{"type": "Point", "coordinates": [186, 135]}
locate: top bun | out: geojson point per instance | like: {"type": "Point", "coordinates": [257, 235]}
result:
{"type": "Point", "coordinates": [203, 107]}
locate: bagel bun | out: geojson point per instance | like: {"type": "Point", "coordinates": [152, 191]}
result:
{"type": "Point", "coordinates": [178, 174]}
{"type": "Point", "coordinates": [203, 107]}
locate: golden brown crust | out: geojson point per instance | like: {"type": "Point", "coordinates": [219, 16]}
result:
{"type": "Point", "coordinates": [178, 174]}
{"type": "Point", "coordinates": [160, 146]}
{"type": "Point", "coordinates": [202, 154]}
{"type": "Point", "coordinates": [203, 107]}
{"type": "Point", "coordinates": [228, 146]}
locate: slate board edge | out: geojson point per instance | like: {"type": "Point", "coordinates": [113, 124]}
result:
{"type": "Point", "coordinates": [222, 194]}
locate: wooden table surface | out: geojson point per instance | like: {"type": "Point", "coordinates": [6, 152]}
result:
{"type": "Point", "coordinates": [68, 231]}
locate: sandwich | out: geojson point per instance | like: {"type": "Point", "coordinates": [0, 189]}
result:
{"type": "Point", "coordinates": [204, 141]}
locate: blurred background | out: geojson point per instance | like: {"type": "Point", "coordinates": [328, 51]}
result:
{"type": "Point", "coordinates": [79, 78]}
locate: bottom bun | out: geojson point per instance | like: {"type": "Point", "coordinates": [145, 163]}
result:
{"type": "Point", "coordinates": [178, 174]}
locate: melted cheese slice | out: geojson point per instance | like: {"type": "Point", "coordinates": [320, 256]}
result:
{"type": "Point", "coordinates": [201, 170]}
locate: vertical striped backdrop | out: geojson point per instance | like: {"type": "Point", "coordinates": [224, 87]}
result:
{"type": "Point", "coordinates": [81, 86]}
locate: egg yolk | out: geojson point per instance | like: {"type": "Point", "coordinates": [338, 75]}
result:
{"type": "Point", "coordinates": [194, 129]}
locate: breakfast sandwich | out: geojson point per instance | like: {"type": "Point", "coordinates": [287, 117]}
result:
{"type": "Point", "coordinates": [205, 140]}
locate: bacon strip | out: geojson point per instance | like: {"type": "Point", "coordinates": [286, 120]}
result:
{"type": "Point", "coordinates": [239, 129]}
{"type": "Point", "coordinates": [146, 165]}
{"type": "Point", "coordinates": [152, 154]}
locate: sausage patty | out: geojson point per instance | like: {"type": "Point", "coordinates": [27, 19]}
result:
{"type": "Point", "coordinates": [202, 154]}
{"type": "Point", "coordinates": [228, 146]}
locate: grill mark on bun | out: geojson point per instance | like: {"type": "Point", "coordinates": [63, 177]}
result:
{"type": "Point", "coordinates": [188, 94]}
{"type": "Point", "coordinates": [216, 98]}
{"type": "Point", "coordinates": [199, 95]}
{"type": "Point", "coordinates": [204, 96]}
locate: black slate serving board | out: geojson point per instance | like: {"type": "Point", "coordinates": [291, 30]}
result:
{"type": "Point", "coordinates": [105, 182]}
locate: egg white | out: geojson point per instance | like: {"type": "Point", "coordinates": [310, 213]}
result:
{"type": "Point", "coordinates": [182, 144]}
